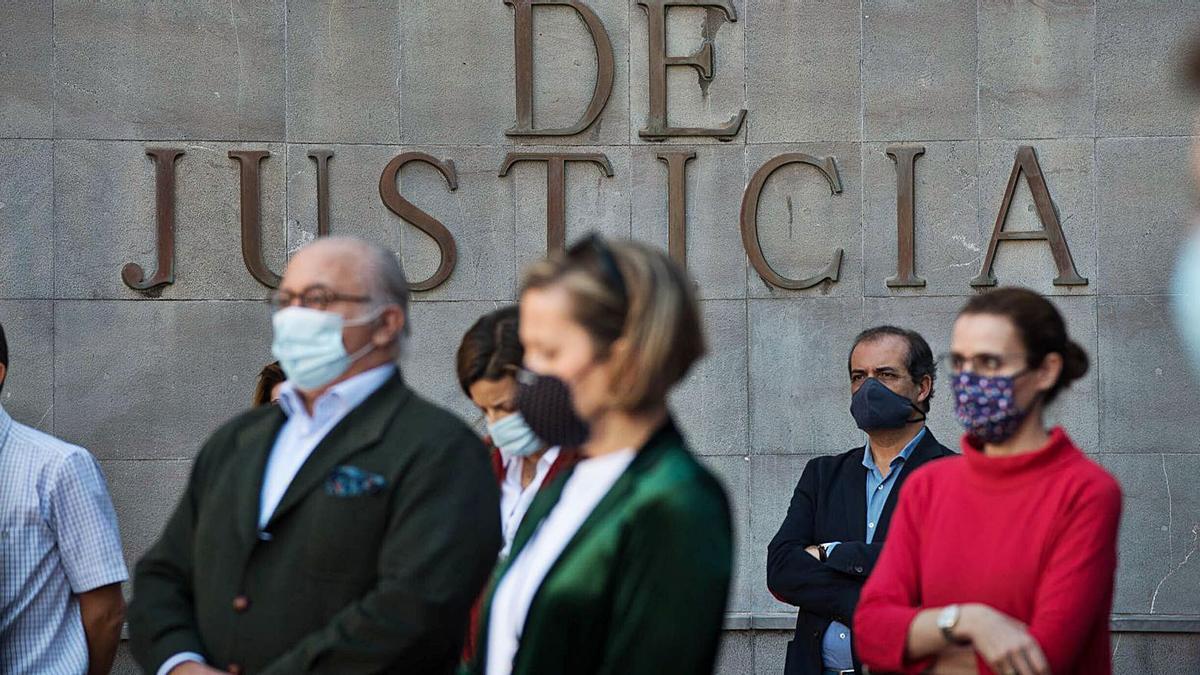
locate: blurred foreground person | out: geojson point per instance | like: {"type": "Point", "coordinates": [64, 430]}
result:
{"type": "Point", "coordinates": [1002, 559]}
{"type": "Point", "coordinates": [346, 530]}
{"type": "Point", "coordinates": [622, 565]}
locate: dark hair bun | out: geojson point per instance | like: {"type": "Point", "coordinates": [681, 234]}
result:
{"type": "Point", "coordinates": [1075, 363]}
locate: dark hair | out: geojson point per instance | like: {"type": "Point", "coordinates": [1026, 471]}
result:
{"type": "Point", "coordinates": [1190, 61]}
{"type": "Point", "coordinates": [919, 359]}
{"type": "Point", "coordinates": [3, 356]}
{"type": "Point", "coordinates": [268, 377]}
{"type": "Point", "coordinates": [1040, 327]}
{"type": "Point", "coordinates": [490, 349]}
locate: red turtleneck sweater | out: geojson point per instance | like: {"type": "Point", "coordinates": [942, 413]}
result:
{"type": "Point", "coordinates": [1033, 536]}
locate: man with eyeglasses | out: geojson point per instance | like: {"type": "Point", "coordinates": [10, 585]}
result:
{"type": "Point", "coordinates": [346, 530]}
{"type": "Point", "coordinates": [838, 518]}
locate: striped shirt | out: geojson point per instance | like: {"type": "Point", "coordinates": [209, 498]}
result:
{"type": "Point", "coordinates": [58, 538]}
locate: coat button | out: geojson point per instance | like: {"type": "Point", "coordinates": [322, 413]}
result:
{"type": "Point", "coordinates": [858, 569]}
{"type": "Point", "coordinates": [241, 603]}
{"type": "Point", "coordinates": [234, 669]}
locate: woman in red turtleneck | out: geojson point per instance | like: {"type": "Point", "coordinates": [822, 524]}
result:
{"type": "Point", "coordinates": [1002, 560]}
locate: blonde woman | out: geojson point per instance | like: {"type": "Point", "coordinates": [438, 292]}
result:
{"type": "Point", "coordinates": [622, 564]}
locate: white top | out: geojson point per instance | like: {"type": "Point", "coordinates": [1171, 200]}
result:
{"type": "Point", "coordinates": [590, 481]}
{"type": "Point", "coordinates": [514, 501]}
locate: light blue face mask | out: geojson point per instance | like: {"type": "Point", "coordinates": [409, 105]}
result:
{"type": "Point", "coordinates": [308, 344]}
{"type": "Point", "coordinates": [513, 437]}
{"type": "Point", "coordinates": [1185, 286]}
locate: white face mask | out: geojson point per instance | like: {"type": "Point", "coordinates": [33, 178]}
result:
{"type": "Point", "coordinates": [308, 345]}
{"type": "Point", "coordinates": [513, 437]}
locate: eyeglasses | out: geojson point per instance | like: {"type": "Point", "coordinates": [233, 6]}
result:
{"type": "Point", "coordinates": [595, 244]}
{"type": "Point", "coordinates": [313, 297]}
{"type": "Point", "coordinates": [985, 364]}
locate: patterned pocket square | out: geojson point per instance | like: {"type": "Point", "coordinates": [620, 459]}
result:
{"type": "Point", "coordinates": [351, 481]}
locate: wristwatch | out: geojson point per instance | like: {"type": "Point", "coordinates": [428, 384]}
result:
{"type": "Point", "coordinates": [947, 621]}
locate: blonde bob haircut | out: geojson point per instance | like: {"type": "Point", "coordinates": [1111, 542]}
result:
{"type": "Point", "coordinates": [632, 292]}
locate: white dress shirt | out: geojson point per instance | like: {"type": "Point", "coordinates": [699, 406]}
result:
{"type": "Point", "coordinates": [515, 500]}
{"type": "Point", "coordinates": [591, 480]}
{"type": "Point", "coordinates": [298, 437]}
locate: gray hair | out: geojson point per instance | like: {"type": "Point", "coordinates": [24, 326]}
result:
{"type": "Point", "coordinates": [384, 277]}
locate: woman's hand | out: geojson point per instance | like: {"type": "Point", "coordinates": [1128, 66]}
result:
{"type": "Point", "coordinates": [1003, 642]}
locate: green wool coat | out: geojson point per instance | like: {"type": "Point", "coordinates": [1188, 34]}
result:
{"type": "Point", "coordinates": [378, 582]}
{"type": "Point", "coordinates": [641, 588]}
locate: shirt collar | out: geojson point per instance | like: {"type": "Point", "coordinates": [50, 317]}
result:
{"type": "Point", "coordinates": [869, 459]}
{"type": "Point", "coordinates": [346, 395]}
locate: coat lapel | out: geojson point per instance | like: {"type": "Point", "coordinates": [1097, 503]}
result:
{"type": "Point", "coordinates": [854, 496]}
{"type": "Point", "coordinates": [254, 442]}
{"type": "Point", "coordinates": [362, 428]}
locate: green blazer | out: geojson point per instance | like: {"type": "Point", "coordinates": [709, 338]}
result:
{"type": "Point", "coordinates": [376, 582]}
{"type": "Point", "coordinates": [642, 586]}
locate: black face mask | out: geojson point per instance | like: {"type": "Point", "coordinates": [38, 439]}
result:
{"type": "Point", "coordinates": [876, 407]}
{"type": "Point", "coordinates": [545, 403]}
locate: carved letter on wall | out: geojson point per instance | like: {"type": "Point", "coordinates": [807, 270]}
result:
{"type": "Point", "coordinates": [657, 128]}
{"type": "Point", "coordinates": [164, 219]}
{"type": "Point", "coordinates": [523, 50]}
{"type": "Point", "coordinates": [431, 226]}
{"type": "Point", "coordinates": [905, 157]}
{"type": "Point", "coordinates": [1051, 231]}
{"type": "Point", "coordinates": [750, 242]}
{"type": "Point", "coordinates": [677, 202]}
{"type": "Point", "coordinates": [321, 157]}
{"type": "Point", "coordinates": [252, 250]}
{"type": "Point", "coordinates": [556, 186]}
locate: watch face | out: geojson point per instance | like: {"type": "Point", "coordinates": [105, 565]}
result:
{"type": "Point", "coordinates": [948, 617]}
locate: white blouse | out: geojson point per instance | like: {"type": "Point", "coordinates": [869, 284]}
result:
{"type": "Point", "coordinates": [514, 501]}
{"type": "Point", "coordinates": [591, 480]}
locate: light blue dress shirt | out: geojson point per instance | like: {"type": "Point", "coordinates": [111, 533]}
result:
{"type": "Point", "coordinates": [58, 539]}
{"type": "Point", "coordinates": [835, 647]}
{"type": "Point", "coordinates": [298, 437]}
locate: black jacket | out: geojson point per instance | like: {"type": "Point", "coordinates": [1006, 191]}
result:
{"type": "Point", "coordinates": [830, 504]}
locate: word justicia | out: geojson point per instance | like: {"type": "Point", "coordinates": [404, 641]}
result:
{"type": "Point", "coordinates": [657, 128]}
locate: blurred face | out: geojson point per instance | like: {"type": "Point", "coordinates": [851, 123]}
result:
{"type": "Point", "coordinates": [885, 359]}
{"type": "Point", "coordinates": [497, 399]}
{"type": "Point", "coordinates": [989, 345]}
{"type": "Point", "coordinates": [335, 273]}
{"type": "Point", "coordinates": [556, 345]}
{"type": "Point", "coordinates": [275, 392]}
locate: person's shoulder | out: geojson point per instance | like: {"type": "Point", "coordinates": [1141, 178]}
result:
{"type": "Point", "coordinates": [941, 469]}
{"type": "Point", "coordinates": [42, 448]}
{"type": "Point", "coordinates": [680, 481]}
{"type": "Point", "coordinates": [421, 418]}
{"type": "Point", "coordinates": [1093, 480]}
{"type": "Point", "coordinates": [829, 463]}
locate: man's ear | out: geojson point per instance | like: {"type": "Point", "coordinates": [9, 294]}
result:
{"type": "Point", "coordinates": [925, 389]}
{"type": "Point", "coordinates": [3, 375]}
{"type": "Point", "coordinates": [392, 323]}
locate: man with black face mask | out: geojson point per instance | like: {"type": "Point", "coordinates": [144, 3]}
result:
{"type": "Point", "coordinates": [838, 518]}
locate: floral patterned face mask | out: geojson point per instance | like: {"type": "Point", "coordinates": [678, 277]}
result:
{"type": "Point", "coordinates": [987, 406]}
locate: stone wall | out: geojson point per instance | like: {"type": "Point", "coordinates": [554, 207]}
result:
{"type": "Point", "coordinates": [1093, 86]}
